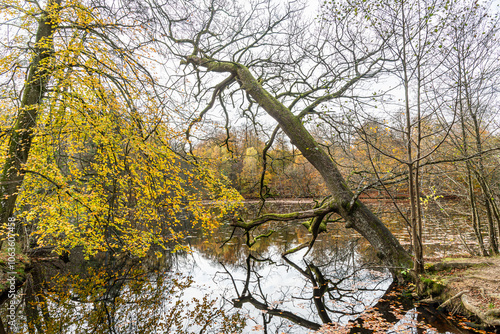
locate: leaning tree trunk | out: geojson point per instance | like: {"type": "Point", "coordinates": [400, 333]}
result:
{"type": "Point", "coordinates": [355, 213]}
{"type": "Point", "coordinates": [22, 132]}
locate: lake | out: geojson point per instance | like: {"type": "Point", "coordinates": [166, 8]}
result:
{"type": "Point", "coordinates": [232, 289]}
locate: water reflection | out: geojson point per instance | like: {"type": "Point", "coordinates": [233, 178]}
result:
{"type": "Point", "coordinates": [118, 295]}
{"type": "Point", "coordinates": [195, 293]}
{"type": "Point", "coordinates": [336, 288]}
{"type": "Point", "coordinates": [445, 233]}
{"type": "Point", "coordinates": [294, 293]}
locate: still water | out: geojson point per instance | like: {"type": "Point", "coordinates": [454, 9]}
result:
{"type": "Point", "coordinates": [228, 289]}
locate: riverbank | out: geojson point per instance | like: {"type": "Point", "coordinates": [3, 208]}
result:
{"type": "Point", "coordinates": [466, 286]}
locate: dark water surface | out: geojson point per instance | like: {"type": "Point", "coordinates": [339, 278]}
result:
{"type": "Point", "coordinates": [230, 289]}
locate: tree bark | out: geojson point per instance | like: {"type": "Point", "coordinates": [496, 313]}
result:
{"type": "Point", "coordinates": [356, 214]}
{"type": "Point", "coordinates": [22, 132]}
{"type": "Point", "coordinates": [480, 174]}
{"type": "Point", "coordinates": [476, 221]}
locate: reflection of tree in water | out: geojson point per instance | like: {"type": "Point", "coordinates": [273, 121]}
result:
{"type": "Point", "coordinates": [117, 296]}
{"type": "Point", "coordinates": [330, 292]}
{"type": "Point", "coordinates": [229, 245]}
{"type": "Point", "coordinates": [333, 289]}
{"type": "Point", "coordinates": [335, 294]}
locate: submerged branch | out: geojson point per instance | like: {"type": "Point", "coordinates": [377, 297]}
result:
{"type": "Point", "coordinates": [326, 208]}
{"type": "Point", "coordinates": [266, 235]}
{"type": "Point", "coordinates": [295, 249]}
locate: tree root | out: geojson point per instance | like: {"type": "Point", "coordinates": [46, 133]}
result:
{"type": "Point", "coordinates": [490, 279]}
{"type": "Point", "coordinates": [490, 317]}
{"type": "Point", "coordinates": [447, 302]}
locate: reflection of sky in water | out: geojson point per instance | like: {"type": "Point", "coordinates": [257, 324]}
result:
{"type": "Point", "coordinates": [408, 323]}
{"type": "Point", "coordinates": [284, 287]}
{"type": "Point", "coordinates": [275, 281]}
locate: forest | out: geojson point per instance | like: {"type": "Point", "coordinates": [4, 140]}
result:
{"type": "Point", "coordinates": [137, 133]}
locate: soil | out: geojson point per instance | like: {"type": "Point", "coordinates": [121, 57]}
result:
{"type": "Point", "coordinates": [468, 286]}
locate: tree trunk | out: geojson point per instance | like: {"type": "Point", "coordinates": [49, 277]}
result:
{"type": "Point", "coordinates": [491, 227]}
{"type": "Point", "coordinates": [476, 222]}
{"type": "Point", "coordinates": [480, 172]}
{"type": "Point", "coordinates": [496, 213]}
{"type": "Point", "coordinates": [412, 164]}
{"type": "Point", "coordinates": [356, 214]}
{"type": "Point", "coordinates": [22, 132]}
{"type": "Point", "coordinates": [480, 175]}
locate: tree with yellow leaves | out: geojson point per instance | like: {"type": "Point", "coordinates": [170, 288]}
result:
{"type": "Point", "coordinates": [88, 161]}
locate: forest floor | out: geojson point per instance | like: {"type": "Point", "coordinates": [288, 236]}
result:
{"type": "Point", "coordinates": [468, 285]}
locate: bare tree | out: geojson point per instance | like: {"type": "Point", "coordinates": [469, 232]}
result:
{"type": "Point", "coordinates": [260, 57]}
{"type": "Point", "coordinates": [473, 64]}
{"type": "Point", "coordinates": [414, 32]}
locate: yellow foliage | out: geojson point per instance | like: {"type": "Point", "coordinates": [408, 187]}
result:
{"type": "Point", "coordinates": [100, 173]}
